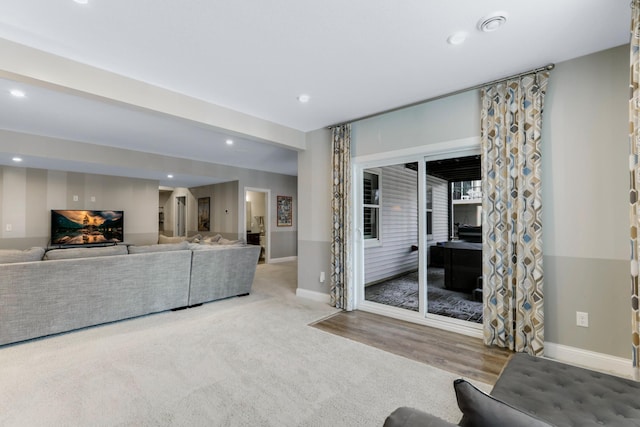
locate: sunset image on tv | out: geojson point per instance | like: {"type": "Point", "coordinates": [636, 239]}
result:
{"type": "Point", "coordinates": [82, 227]}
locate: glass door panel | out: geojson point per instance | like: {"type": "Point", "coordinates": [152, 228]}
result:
{"type": "Point", "coordinates": [391, 235]}
{"type": "Point", "coordinates": [454, 237]}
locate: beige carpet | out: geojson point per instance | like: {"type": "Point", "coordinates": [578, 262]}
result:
{"type": "Point", "coordinates": [243, 361]}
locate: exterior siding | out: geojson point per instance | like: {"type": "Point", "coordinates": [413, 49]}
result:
{"type": "Point", "coordinates": [439, 188]}
{"type": "Point", "coordinates": [398, 228]}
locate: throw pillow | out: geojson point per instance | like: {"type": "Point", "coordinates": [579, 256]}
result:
{"type": "Point", "coordinates": [213, 239]}
{"type": "Point", "coordinates": [162, 239]}
{"type": "Point", "coordinates": [481, 410]}
{"type": "Point", "coordinates": [10, 256]}
{"type": "Point", "coordinates": [195, 239]}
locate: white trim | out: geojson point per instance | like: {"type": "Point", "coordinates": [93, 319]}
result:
{"type": "Point", "coordinates": [448, 147]}
{"type": "Point", "coordinates": [589, 359]}
{"type": "Point", "coordinates": [283, 259]}
{"type": "Point", "coordinates": [440, 322]}
{"type": "Point", "coordinates": [371, 242]}
{"type": "Point", "coordinates": [313, 295]}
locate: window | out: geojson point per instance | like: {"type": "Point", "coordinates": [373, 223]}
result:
{"type": "Point", "coordinates": [371, 205]}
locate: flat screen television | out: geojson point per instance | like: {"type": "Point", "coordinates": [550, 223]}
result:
{"type": "Point", "coordinates": [83, 227]}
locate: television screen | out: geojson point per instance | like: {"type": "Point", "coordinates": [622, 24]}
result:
{"type": "Point", "coordinates": [82, 227]}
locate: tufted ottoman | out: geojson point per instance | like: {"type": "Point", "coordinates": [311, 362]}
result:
{"type": "Point", "coordinates": [566, 395]}
{"type": "Point", "coordinates": [534, 391]}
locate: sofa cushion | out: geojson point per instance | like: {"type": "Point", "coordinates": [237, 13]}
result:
{"type": "Point", "coordinates": [10, 256]}
{"type": "Point", "coordinates": [167, 247]}
{"type": "Point", "coordinates": [162, 239]}
{"type": "Point", "coordinates": [72, 253]}
{"type": "Point", "coordinates": [207, 247]}
{"type": "Point", "coordinates": [230, 242]}
{"type": "Point", "coordinates": [480, 409]}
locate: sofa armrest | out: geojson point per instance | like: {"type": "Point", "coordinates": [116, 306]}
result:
{"type": "Point", "coordinates": [410, 417]}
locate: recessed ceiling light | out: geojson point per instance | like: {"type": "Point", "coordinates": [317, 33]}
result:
{"type": "Point", "coordinates": [229, 141]}
{"type": "Point", "coordinates": [169, 176]}
{"type": "Point", "coordinates": [457, 38]}
{"type": "Point", "coordinates": [17, 93]}
{"type": "Point", "coordinates": [492, 22]}
{"type": "Point", "coordinates": [304, 98]}
{"type": "Point", "coordinates": [17, 159]}
{"type": "Point", "coordinates": [81, 1]}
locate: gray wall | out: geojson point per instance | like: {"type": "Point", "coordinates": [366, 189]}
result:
{"type": "Point", "coordinates": [28, 195]}
{"type": "Point", "coordinates": [314, 194]}
{"type": "Point", "coordinates": [585, 186]}
{"type": "Point", "coordinates": [447, 119]}
{"type": "Point", "coordinates": [16, 198]}
{"type": "Point", "coordinates": [585, 202]}
{"type": "Point", "coordinates": [222, 207]}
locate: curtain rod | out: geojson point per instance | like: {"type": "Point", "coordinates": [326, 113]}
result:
{"type": "Point", "coordinates": [547, 67]}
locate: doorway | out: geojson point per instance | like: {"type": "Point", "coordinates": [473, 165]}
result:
{"type": "Point", "coordinates": [406, 217]}
{"type": "Point", "coordinates": [181, 216]}
{"type": "Point", "coordinates": [257, 220]}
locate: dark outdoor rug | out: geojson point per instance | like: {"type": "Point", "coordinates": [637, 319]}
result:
{"type": "Point", "coordinates": [403, 292]}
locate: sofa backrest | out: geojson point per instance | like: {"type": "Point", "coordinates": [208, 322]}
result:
{"type": "Point", "coordinates": [10, 256]}
{"type": "Point", "coordinates": [73, 253]}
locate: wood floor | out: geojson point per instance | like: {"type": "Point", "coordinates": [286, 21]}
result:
{"type": "Point", "coordinates": [460, 354]}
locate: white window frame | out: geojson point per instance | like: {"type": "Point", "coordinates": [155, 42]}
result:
{"type": "Point", "coordinates": [373, 242]}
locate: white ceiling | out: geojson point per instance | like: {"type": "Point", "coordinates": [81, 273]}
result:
{"type": "Point", "coordinates": [353, 58]}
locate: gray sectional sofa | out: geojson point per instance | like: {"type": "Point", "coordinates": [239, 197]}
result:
{"type": "Point", "coordinates": [66, 289]}
{"type": "Point", "coordinates": [220, 272]}
{"type": "Point", "coordinates": [533, 391]}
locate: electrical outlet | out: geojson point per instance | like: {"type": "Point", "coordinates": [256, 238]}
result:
{"type": "Point", "coordinates": [322, 277]}
{"type": "Point", "coordinates": [582, 319]}
{"type": "Point", "coordinates": [75, 197]}
{"type": "Point", "coordinates": [9, 227]}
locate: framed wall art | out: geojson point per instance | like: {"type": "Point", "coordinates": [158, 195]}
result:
{"type": "Point", "coordinates": [285, 211]}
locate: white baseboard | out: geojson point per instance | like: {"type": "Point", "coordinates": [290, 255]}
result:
{"type": "Point", "coordinates": [283, 259]}
{"type": "Point", "coordinates": [589, 359]}
{"type": "Point", "coordinates": [572, 355]}
{"type": "Point", "coordinates": [313, 295]}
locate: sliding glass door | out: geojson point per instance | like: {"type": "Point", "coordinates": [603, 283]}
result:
{"type": "Point", "coordinates": [419, 237]}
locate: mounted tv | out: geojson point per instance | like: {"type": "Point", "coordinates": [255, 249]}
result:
{"type": "Point", "coordinates": [82, 227]}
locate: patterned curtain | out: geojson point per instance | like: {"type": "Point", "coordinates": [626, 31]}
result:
{"type": "Point", "coordinates": [512, 227]}
{"type": "Point", "coordinates": [341, 284]}
{"type": "Point", "coordinates": [634, 169]}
